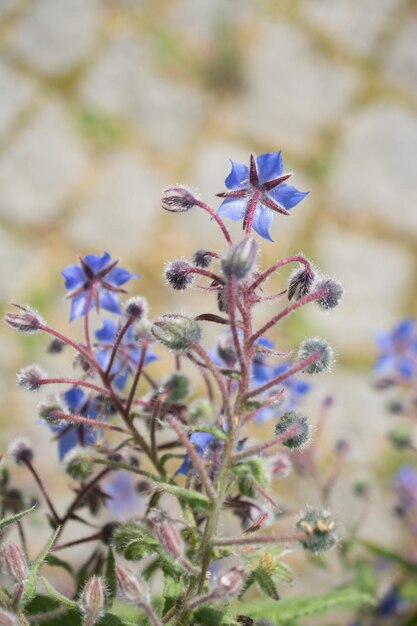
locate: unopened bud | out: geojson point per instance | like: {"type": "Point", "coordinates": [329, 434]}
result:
{"type": "Point", "coordinates": [400, 438]}
{"type": "Point", "coordinates": [319, 528]}
{"type": "Point", "coordinates": [30, 378]}
{"type": "Point", "coordinates": [79, 464]}
{"type": "Point", "coordinates": [230, 583]}
{"type": "Point", "coordinates": [55, 346]}
{"type": "Point", "coordinates": [51, 409]}
{"type": "Point", "coordinates": [20, 450]}
{"type": "Point", "coordinates": [202, 258]}
{"type": "Point", "coordinates": [26, 321]}
{"type": "Point", "coordinates": [333, 293]}
{"type": "Point", "coordinates": [179, 274]}
{"type": "Point", "coordinates": [178, 199]}
{"type": "Point", "coordinates": [15, 561]}
{"type": "Point", "coordinates": [223, 299]}
{"type": "Point", "coordinates": [7, 618]}
{"type": "Point", "coordinates": [294, 421]}
{"type": "Point", "coordinates": [300, 283]}
{"type": "Point", "coordinates": [240, 259]}
{"type": "Point", "coordinates": [176, 332]}
{"type": "Point", "coordinates": [131, 587]}
{"type": "Point", "coordinates": [93, 600]}
{"type": "Point", "coordinates": [178, 387]}
{"type": "Point", "coordinates": [324, 351]}
{"type": "Point", "coordinates": [136, 307]}
{"type": "Point", "coordinates": [170, 539]}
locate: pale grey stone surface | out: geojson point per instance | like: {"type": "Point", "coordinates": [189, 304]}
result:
{"type": "Point", "coordinates": [354, 23]}
{"type": "Point", "coordinates": [292, 90]}
{"type": "Point", "coordinates": [41, 168]}
{"type": "Point", "coordinates": [121, 212]}
{"type": "Point", "coordinates": [8, 6]}
{"type": "Point", "coordinates": [17, 265]}
{"type": "Point", "coordinates": [53, 36]}
{"type": "Point", "coordinates": [401, 60]}
{"type": "Point", "coordinates": [16, 92]}
{"type": "Point", "coordinates": [126, 82]}
{"type": "Point", "coordinates": [375, 276]}
{"type": "Point", "coordinates": [374, 172]}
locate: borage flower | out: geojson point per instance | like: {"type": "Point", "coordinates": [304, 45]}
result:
{"type": "Point", "coordinates": [99, 275]}
{"type": "Point", "coordinates": [201, 441]}
{"type": "Point", "coordinates": [128, 354]}
{"type": "Point", "coordinates": [256, 193]}
{"type": "Point", "coordinates": [123, 499]}
{"type": "Point", "coordinates": [398, 351]}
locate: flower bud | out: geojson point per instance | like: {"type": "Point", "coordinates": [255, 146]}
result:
{"type": "Point", "coordinates": [319, 528]}
{"type": "Point", "coordinates": [286, 424]}
{"type": "Point", "coordinates": [170, 539]}
{"type": "Point", "coordinates": [30, 377]}
{"type": "Point", "coordinates": [202, 258]}
{"type": "Point", "coordinates": [178, 387]}
{"type": "Point", "coordinates": [28, 321]}
{"type": "Point", "coordinates": [178, 199]}
{"type": "Point", "coordinates": [201, 410]}
{"type": "Point", "coordinates": [223, 299]}
{"type": "Point", "coordinates": [179, 274]}
{"type": "Point", "coordinates": [93, 600]}
{"type": "Point", "coordinates": [108, 531]}
{"type": "Point", "coordinates": [333, 293]}
{"type": "Point", "coordinates": [136, 307]}
{"type": "Point", "coordinates": [131, 587]}
{"type": "Point", "coordinates": [240, 259]}
{"type": "Point", "coordinates": [16, 564]}
{"type": "Point", "coordinates": [230, 583]}
{"type": "Point", "coordinates": [300, 283]}
{"type": "Point", "coordinates": [176, 332]}
{"type": "Point", "coordinates": [51, 409]}
{"type": "Point", "coordinates": [7, 619]}
{"type": "Point", "coordinates": [400, 438]}
{"type": "Point", "coordinates": [56, 346]}
{"type": "Point", "coordinates": [20, 450]}
{"type": "Point", "coordinates": [325, 355]}
{"type": "Point", "coordinates": [78, 463]}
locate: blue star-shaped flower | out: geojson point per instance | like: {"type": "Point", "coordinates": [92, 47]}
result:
{"type": "Point", "coordinates": [257, 192]}
{"type": "Point", "coordinates": [398, 351]}
{"type": "Point", "coordinates": [101, 272]}
{"type": "Point", "coordinates": [128, 353]}
{"type": "Point", "coordinates": [123, 499]}
{"type": "Point", "coordinates": [201, 440]}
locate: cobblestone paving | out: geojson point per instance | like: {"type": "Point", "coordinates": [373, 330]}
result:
{"type": "Point", "coordinates": [103, 103]}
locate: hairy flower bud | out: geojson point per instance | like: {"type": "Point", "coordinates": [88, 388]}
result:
{"type": "Point", "coordinates": [324, 351]}
{"type": "Point", "coordinates": [176, 332]}
{"type": "Point", "coordinates": [178, 387]}
{"type": "Point", "coordinates": [7, 619]}
{"type": "Point", "coordinates": [179, 274]}
{"type": "Point", "coordinates": [202, 258]}
{"type": "Point", "coordinates": [136, 307]}
{"type": "Point", "coordinates": [300, 283]}
{"type": "Point", "coordinates": [20, 450]}
{"type": "Point", "coordinates": [56, 346]}
{"type": "Point", "coordinates": [230, 583]}
{"type": "Point", "coordinates": [50, 409]}
{"type": "Point", "coordinates": [240, 259]}
{"type": "Point", "coordinates": [78, 463]}
{"type": "Point", "coordinates": [15, 562]}
{"type": "Point", "coordinates": [27, 321]}
{"type": "Point", "coordinates": [30, 377]}
{"type": "Point", "coordinates": [319, 528]}
{"type": "Point", "coordinates": [93, 600]}
{"type": "Point", "coordinates": [333, 293]}
{"type": "Point", "coordinates": [178, 199]}
{"type": "Point", "coordinates": [131, 587]}
{"type": "Point", "coordinates": [287, 423]}
{"type": "Point", "coordinates": [170, 539]}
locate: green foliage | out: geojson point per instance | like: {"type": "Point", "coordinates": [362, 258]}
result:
{"type": "Point", "coordinates": [197, 501]}
{"type": "Point", "coordinates": [266, 571]}
{"type": "Point", "coordinates": [56, 595]}
{"type": "Point", "coordinates": [30, 586]}
{"type": "Point", "coordinates": [172, 590]}
{"type": "Point", "coordinates": [110, 576]}
{"type": "Point", "coordinates": [14, 518]}
{"type": "Point", "coordinates": [41, 605]}
{"type": "Point", "coordinates": [392, 555]}
{"type": "Point", "coordinates": [248, 474]}
{"type": "Point", "coordinates": [206, 616]}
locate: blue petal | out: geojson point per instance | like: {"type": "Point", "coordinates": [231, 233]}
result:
{"type": "Point", "coordinates": [119, 276]}
{"type": "Point", "coordinates": [74, 276]}
{"type": "Point", "coordinates": [287, 195]}
{"type": "Point", "coordinates": [67, 442]}
{"type": "Point", "coordinates": [74, 398]}
{"type": "Point", "coordinates": [384, 341]}
{"type": "Point", "coordinates": [405, 330]}
{"type": "Point", "coordinates": [108, 331]}
{"type": "Point", "coordinates": [233, 208]}
{"type": "Point", "coordinates": [238, 176]}
{"type": "Point", "coordinates": [96, 263]}
{"type": "Point", "coordinates": [300, 387]}
{"type": "Point", "coordinates": [201, 439]}
{"type": "Point", "coordinates": [406, 367]}
{"type": "Point", "coordinates": [78, 306]}
{"type": "Point", "coordinates": [103, 357]}
{"type": "Point", "coordinates": [264, 415]}
{"type": "Point", "coordinates": [265, 342]}
{"type": "Point", "coordinates": [262, 222]}
{"type": "Point", "coordinates": [124, 500]}
{"type": "Point", "coordinates": [185, 466]}
{"type": "Point", "coordinates": [270, 166]}
{"type": "Point", "coordinates": [121, 379]}
{"type": "Point", "coordinates": [109, 301]}
{"type": "Point", "coordinates": [261, 372]}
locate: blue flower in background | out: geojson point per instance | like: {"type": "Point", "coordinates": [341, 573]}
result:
{"type": "Point", "coordinates": [100, 271]}
{"type": "Point", "coordinates": [398, 351]}
{"type": "Point", "coordinates": [264, 177]}
{"type": "Point", "coordinates": [201, 440]}
{"type": "Point", "coordinates": [70, 435]}
{"type": "Point", "coordinates": [295, 390]}
{"type": "Point", "coordinates": [128, 353]}
{"type": "Point", "coordinates": [123, 499]}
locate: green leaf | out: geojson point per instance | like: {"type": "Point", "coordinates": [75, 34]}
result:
{"type": "Point", "coordinates": [267, 585]}
{"type": "Point", "coordinates": [300, 607]}
{"type": "Point", "coordinates": [110, 576]}
{"type": "Point", "coordinates": [30, 587]}
{"type": "Point", "coordinates": [386, 553]}
{"type": "Point", "coordinates": [197, 501]}
{"type": "Point", "coordinates": [113, 620]}
{"type": "Point", "coordinates": [206, 616]}
{"type": "Point", "coordinates": [53, 560]}
{"type": "Point", "coordinates": [41, 605]}
{"type": "Point", "coordinates": [56, 595]}
{"type": "Point", "coordinates": [366, 577]}
{"type": "Point", "coordinates": [15, 518]}
{"type": "Point", "coordinates": [172, 590]}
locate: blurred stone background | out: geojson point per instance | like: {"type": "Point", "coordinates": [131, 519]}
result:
{"type": "Point", "coordinates": [104, 103]}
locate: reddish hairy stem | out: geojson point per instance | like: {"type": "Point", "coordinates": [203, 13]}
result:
{"type": "Point", "coordinates": [135, 383]}
{"type": "Point", "coordinates": [202, 272]}
{"type": "Point", "coordinates": [76, 542]}
{"type": "Point", "coordinates": [218, 219]}
{"type": "Point", "coordinates": [272, 538]}
{"type": "Point", "coordinates": [78, 347]}
{"type": "Point", "coordinates": [73, 381]}
{"type": "Point", "coordinates": [82, 493]}
{"type": "Point", "coordinates": [86, 421]}
{"type": "Point", "coordinates": [42, 487]}
{"type": "Point", "coordinates": [278, 265]}
{"type": "Point", "coordinates": [233, 323]}
{"type": "Point", "coordinates": [87, 315]}
{"type": "Point", "coordinates": [119, 338]}
{"type": "Point", "coordinates": [257, 450]}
